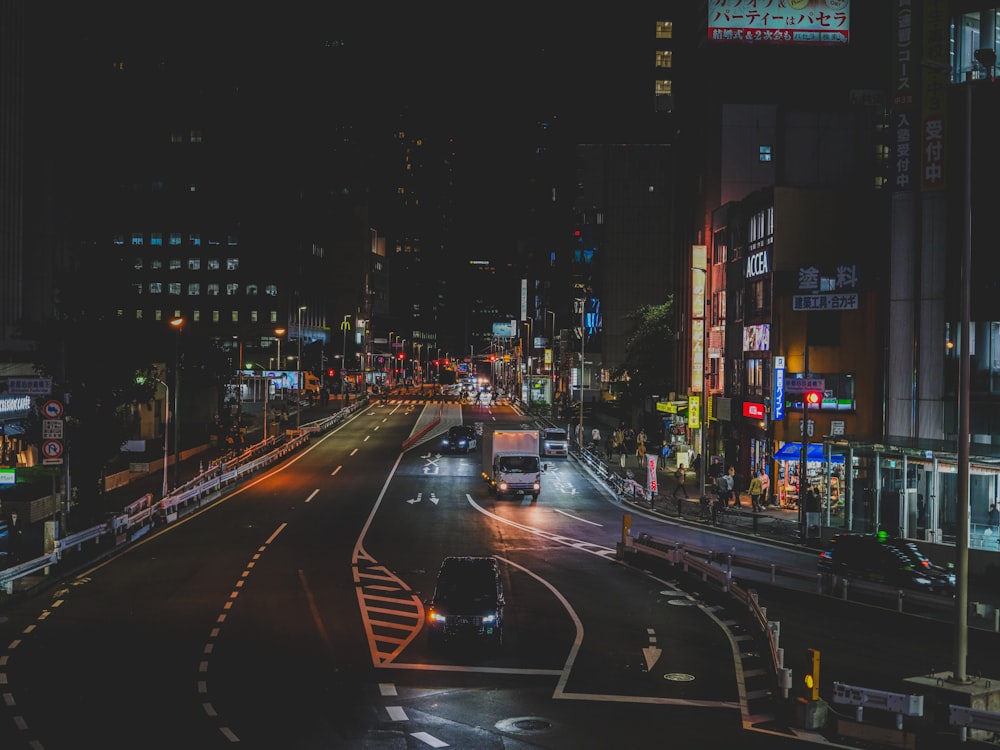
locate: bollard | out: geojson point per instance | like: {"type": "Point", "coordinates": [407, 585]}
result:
{"type": "Point", "coordinates": [899, 600]}
{"type": "Point", "coordinates": [773, 570]}
{"type": "Point", "coordinates": [996, 620]}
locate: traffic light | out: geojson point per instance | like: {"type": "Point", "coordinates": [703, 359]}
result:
{"type": "Point", "coordinates": [813, 399]}
{"type": "Point", "coordinates": [811, 678]}
{"type": "Point", "coordinates": [331, 373]}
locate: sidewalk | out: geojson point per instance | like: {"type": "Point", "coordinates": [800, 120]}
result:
{"type": "Point", "coordinates": [774, 523]}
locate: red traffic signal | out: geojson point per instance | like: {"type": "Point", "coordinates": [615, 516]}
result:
{"type": "Point", "coordinates": [813, 399]}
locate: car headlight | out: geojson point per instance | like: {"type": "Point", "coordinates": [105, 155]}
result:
{"type": "Point", "coordinates": [435, 616]}
{"type": "Point", "coordinates": [489, 619]}
{"type": "Point", "coordinates": [536, 486]}
{"type": "Point", "coordinates": [502, 486]}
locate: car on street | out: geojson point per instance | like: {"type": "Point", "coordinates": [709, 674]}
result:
{"type": "Point", "coordinates": [555, 442]}
{"type": "Point", "coordinates": [467, 602]}
{"type": "Point", "coordinates": [879, 558]}
{"type": "Point", "coordinates": [459, 439]}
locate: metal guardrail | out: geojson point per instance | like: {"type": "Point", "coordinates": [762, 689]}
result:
{"type": "Point", "coordinates": [141, 515]}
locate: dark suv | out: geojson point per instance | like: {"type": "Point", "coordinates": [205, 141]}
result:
{"type": "Point", "coordinates": [467, 600]}
{"type": "Point", "coordinates": [887, 560]}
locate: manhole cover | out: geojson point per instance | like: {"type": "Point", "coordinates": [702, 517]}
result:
{"type": "Point", "coordinates": [678, 677]}
{"type": "Point", "coordinates": [681, 602]}
{"type": "Point", "coordinates": [524, 725]}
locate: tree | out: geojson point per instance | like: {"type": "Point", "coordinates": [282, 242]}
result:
{"type": "Point", "coordinates": [648, 367]}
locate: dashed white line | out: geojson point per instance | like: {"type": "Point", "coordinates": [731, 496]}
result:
{"type": "Point", "coordinates": [312, 495]}
{"type": "Point", "coordinates": [334, 472]}
{"type": "Point", "coordinates": [396, 713]}
{"type": "Point", "coordinates": [428, 739]}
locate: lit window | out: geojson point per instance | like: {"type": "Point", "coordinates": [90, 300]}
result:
{"type": "Point", "coordinates": [664, 29]}
{"type": "Point", "coordinates": [213, 290]}
{"type": "Point", "coordinates": [251, 290]}
{"type": "Point", "coordinates": [137, 264]}
{"type": "Point", "coordinates": [664, 86]}
{"type": "Point", "coordinates": [273, 316]}
{"type": "Point", "coordinates": [119, 239]}
{"type": "Point", "coordinates": [156, 264]}
{"type": "Point", "coordinates": [765, 153]}
{"type": "Point", "coordinates": [232, 289]}
{"type": "Point", "coordinates": [213, 264]}
{"type": "Point", "coordinates": [194, 264]}
{"type": "Point", "coordinates": [155, 287]}
{"type": "Point", "coordinates": [236, 316]}
{"type": "Point", "coordinates": [194, 239]}
{"type": "Point", "coordinates": [195, 136]}
{"type": "Point", "coordinates": [215, 316]}
{"type": "Point", "coordinates": [176, 138]}
{"type": "Point", "coordinates": [196, 315]}
{"type": "Point", "coordinates": [175, 238]}
{"type": "Point", "coordinates": [232, 264]}
{"type": "Point", "coordinates": [232, 239]}
{"type": "Point", "coordinates": [138, 314]}
{"type": "Point", "coordinates": [271, 290]}
{"type": "Point", "coordinates": [253, 316]}
{"type": "Point", "coordinates": [175, 264]}
{"type": "Point", "coordinates": [194, 289]}
{"type": "Point", "coordinates": [174, 287]}
{"type": "Point", "coordinates": [156, 238]}
{"type": "Point", "coordinates": [157, 314]}
{"type": "Point", "coordinates": [136, 238]}
{"type": "Point", "coordinates": [137, 288]}
{"type": "Point", "coordinates": [664, 58]}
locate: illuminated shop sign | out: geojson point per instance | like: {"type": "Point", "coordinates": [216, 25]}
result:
{"type": "Point", "coordinates": [793, 22]}
{"type": "Point", "coordinates": [752, 410]}
{"type": "Point", "coordinates": [778, 397]}
{"type": "Point", "coordinates": [758, 264]}
{"type": "Point", "coordinates": [757, 338]}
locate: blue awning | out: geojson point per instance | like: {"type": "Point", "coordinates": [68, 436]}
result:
{"type": "Point", "coordinates": [793, 452]}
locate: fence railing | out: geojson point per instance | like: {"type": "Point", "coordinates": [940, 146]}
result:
{"type": "Point", "coordinates": [144, 513]}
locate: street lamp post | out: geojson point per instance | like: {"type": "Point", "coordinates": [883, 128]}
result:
{"type": "Point", "coordinates": [345, 326]}
{"type": "Point", "coordinates": [177, 323]}
{"type": "Point", "coordinates": [298, 374]}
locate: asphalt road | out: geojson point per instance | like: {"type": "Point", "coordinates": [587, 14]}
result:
{"type": "Point", "coordinates": [290, 615]}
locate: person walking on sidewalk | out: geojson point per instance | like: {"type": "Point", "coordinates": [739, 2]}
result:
{"type": "Point", "coordinates": [755, 491]}
{"type": "Point", "coordinates": [765, 486]}
{"type": "Point", "coordinates": [640, 452]}
{"type": "Point", "coordinates": [664, 454]}
{"type": "Point", "coordinates": [680, 475]}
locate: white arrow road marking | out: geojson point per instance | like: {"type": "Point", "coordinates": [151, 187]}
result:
{"type": "Point", "coordinates": [430, 469]}
{"type": "Point", "coordinates": [651, 652]}
{"type": "Point", "coordinates": [416, 499]}
{"type": "Point", "coordinates": [433, 498]}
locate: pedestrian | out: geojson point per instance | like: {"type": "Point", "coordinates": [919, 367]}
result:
{"type": "Point", "coordinates": [715, 468]}
{"type": "Point", "coordinates": [724, 486]}
{"type": "Point", "coordinates": [15, 530]}
{"type": "Point", "coordinates": [994, 515]}
{"type": "Point", "coordinates": [755, 491]}
{"type": "Point", "coordinates": [680, 474]}
{"type": "Point", "coordinates": [696, 465]}
{"type": "Point", "coordinates": [640, 453]}
{"type": "Point", "coordinates": [595, 438]}
{"type": "Point", "coordinates": [641, 438]}
{"type": "Point", "coordinates": [765, 486]}
{"type": "Point", "coordinates": [664, 454]}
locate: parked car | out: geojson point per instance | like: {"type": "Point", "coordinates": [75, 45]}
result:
{"type": "Point", "coordinates": [467, 602]}
{"type": "Point", "coordinates": [887, 560]}
{"type": "Point", "coordinates": [555, 442]}
{"type": "Point", "coordinates": [459, 439]}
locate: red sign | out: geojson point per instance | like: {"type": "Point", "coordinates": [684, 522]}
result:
{"type": "Point", "coordinates": [752, 410]}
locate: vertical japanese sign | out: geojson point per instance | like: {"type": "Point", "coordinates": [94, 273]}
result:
{"type": "Point", "coordinates": [699, 276]}
{"type": "Point", "coordinates": [933, 86]}
{"type": "Point", "coordinates": [651, 474]}
{"type": "Point", "coordinates": [905, 156]}
{"type": "Point", "coordinates": [778, 391]}
{"type": "Point", "coordinates": [694, 412]}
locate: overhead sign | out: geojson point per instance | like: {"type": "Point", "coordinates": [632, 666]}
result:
{"type": "Point", "coordinates": [29, 386]}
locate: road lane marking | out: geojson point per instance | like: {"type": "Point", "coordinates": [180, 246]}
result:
{"type": "Point", "coordinates": [334, 472]}
{"type": "Point", "coordinates": [396, 713]}
{"type": "Point", "coordinates": [312, 495]}
{"type": "Point", "coordinates": [577, 518]}
{"type": "Point", "coordinates": [354, 451]}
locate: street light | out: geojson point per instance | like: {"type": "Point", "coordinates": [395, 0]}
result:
{"type": "Point", "coordinates": [279, 332]}
{"type": "Point", "coordinates": [298, 374]}
{"type": "Point", "coordinates": [345, 326]}
{"type": "Point", "coordinates": [177, 323]}
{"type": "Point", "coordinates": [166, 425]}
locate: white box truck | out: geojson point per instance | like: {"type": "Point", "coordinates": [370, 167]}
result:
{"type": "Point", "coordinates": [511, 464]}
